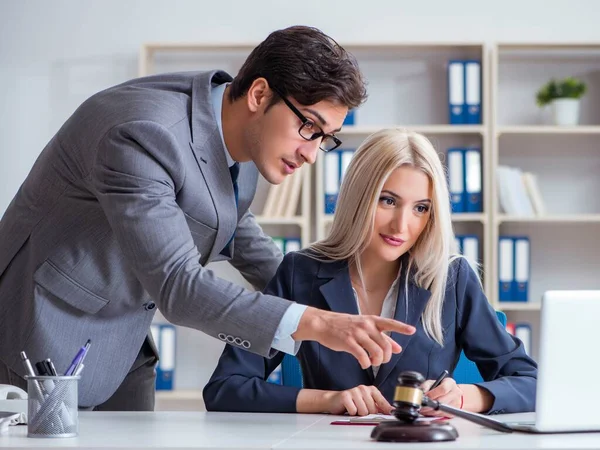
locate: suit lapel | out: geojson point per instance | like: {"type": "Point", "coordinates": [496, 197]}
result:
{"type": "Point", "coordinates": [417, 300]}
{"type": "Point", "coordinates": [338, 294]}
{"type": "Point", "coordinates": [209, 152]}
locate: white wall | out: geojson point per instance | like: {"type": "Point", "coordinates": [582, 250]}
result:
{"type": "Point", "coordinates": [54, 54]}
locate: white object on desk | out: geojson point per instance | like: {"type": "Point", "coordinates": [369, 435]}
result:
{"type": "Point", "coordinates": [13, 399]}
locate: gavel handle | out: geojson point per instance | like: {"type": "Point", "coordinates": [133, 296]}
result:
{"type": "Point", "coordinates": [479, 419]}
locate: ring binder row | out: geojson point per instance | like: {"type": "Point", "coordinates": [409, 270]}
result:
{"type": "Point", "coordinates": [464, 179]}
{"type": "Point", "coordinates": [513, 268]}
{"type": "Point", "coordinates": [464, 92]}
{"type": "Point", "coordinates": [336, 164]}
{"type": "Point", "coordinates": [468, 246]}
{"type": "Point", "coordinates": [164, 336]}
{"type": "Point", "coordinates": [286, 245]}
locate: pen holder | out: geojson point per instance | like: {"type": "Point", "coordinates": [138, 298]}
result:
{"type": "Point", "coordinates": [52, 406]}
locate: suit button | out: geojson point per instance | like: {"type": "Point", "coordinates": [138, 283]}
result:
{"type": "Point", "coordinates": [246, 344]}
{"type": "Point", "coordinates": [150, 306]}
{"type": "Point", "coordinates": [237, 341]}
{"type": "Point", "coordinates": [222, 336]}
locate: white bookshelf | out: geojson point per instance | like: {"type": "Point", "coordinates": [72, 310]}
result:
{"type": "Point", "coordinates": [566, 160]}
{"type": "Point", "coordinates": [408, 89]}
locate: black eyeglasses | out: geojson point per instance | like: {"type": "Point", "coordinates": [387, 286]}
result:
{"type": "Point", "coordinates": [307, 129]}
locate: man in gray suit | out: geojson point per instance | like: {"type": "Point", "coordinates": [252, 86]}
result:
{"type": "Point", "coordinates": [145, 184]}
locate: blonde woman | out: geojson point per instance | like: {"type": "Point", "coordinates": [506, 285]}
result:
{"type": "Point", "coordinates": [390, 253]}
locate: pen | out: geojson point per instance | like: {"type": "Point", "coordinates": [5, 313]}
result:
{"type": "Point", "coordinates": [31, 373]}
{"type": "Point", "coordinates": [78, 358]}
{"type": "Point", "coordinates": [51, 366]}
{"type": "Point", "coordinates": [437, 382]}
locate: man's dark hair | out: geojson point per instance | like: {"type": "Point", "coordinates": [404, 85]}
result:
{"type": "Point", "coordinates": [306, 64]}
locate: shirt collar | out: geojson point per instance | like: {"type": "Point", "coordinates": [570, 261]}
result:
{"type": "Point", "coordinates": [217, 95]}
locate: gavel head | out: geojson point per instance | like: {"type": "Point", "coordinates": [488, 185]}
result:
{"type": "Point", "coordinates": [408, 396]}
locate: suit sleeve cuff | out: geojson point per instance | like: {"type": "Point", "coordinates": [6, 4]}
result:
{"type": "Point", "coordinates": [283, 340]}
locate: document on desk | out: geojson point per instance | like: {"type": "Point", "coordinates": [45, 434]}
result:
{"type": "Point", "coordinates": [375, 419]}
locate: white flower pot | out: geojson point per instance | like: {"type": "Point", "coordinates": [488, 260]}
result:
{"type": "Point", "coordinates": [566, 111]}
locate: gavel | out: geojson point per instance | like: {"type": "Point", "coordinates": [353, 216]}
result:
{"type": "Point", "coordinates": [408, 400]}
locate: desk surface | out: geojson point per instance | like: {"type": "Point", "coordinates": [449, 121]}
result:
{"type": "Point", "coordinates": [104, 430]}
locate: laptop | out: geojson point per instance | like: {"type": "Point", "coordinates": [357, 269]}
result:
{"type": "Point", "coordinates": [568, 392]}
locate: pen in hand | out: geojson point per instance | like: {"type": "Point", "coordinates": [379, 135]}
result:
{"type": "Point", "coordinates": [439, 380]}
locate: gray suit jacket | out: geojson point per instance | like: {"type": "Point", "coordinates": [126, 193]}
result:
{"type": "Point", "coordinates": [119, 214]}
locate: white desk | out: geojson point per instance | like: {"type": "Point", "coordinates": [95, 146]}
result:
{"type": "Point", "coordinates": [205, 431]}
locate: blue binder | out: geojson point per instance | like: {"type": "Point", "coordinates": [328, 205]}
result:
{"type": "Point", "coordinates": [275, 376]}
{"type": "Point", "coordinates": [165, 339]}
{"type": "Point", "coordinates": [291, 245]}
{"type": "Point", "coordinates": [470, 250]}
{"type": "Point", "coordinates": [456, 179]}
{"type": "Point", "coordinates": [506, 264]}
{"type": "Point", "coordinates": [520, 285]}
{"type": "Point", "coordinates": [350, 117]}
{"type": "Point", "coordinates": [473, 174]}
{"type": "Point", "coordinates": [331, 181]}
{"type": "Point", "coordinates": [523, 333]}
{"type": "Point", "coordinates": [456, 92]}
{"type": "Point", "coordinates": [472, 92]}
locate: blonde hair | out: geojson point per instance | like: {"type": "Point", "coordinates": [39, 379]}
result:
{"type": "Point", "coordinates": [373, 162]}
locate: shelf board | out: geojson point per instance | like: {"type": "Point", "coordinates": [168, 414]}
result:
{"type": "Point", "coordinates": [296, 220]}
{"type": "Point", "coordinates": [459, 217]}
{"type": "Point", "coordinates": [327, 219]}
{"type": "Point", "coordinates": [550, 219]}
{"type": "Point", "coordinates": [180, 394]}
{"type": "Point", "coordinates": [359, 130]}
{"type": "Point", "coordinates": [519, 306]}
{"type": "Point", "coordinates": [548, 129]}
{"type": "Point", "coordinates": [469, 217]}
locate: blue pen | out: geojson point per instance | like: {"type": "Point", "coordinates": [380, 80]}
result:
{"type": "Point", "coordinates": [78, 358]}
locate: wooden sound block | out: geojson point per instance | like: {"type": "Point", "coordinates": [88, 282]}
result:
{"type": "Point", "coordinates": [414, 432]}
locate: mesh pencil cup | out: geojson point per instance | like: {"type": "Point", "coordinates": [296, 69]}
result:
{"type": "Point", "coordinates": [52, 406]}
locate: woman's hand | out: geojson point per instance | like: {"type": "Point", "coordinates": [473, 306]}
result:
{"type": "Point", "coordinates": [358, 401]}
{"type": "Point", "coordinates": [448, 392]}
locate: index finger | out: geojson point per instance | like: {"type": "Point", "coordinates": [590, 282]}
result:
{"type": "Point", "coordinates": [394, 325]}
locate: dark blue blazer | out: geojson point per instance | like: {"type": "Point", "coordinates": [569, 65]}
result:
{"type": "Point", "coordinates": [469, 324]}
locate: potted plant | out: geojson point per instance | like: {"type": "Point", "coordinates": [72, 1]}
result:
{"type": "Point", "coordinates": [564, 96]}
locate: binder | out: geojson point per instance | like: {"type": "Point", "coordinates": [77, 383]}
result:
{"type": "Point", "coordinates": [472, 92]}
{"type": "Point", "coordinates": [522, 263]}
{"type": "Point", "coordinates": [292, 245]}
{"type": "Point", "coordinates": [458, 244]}
{"type": "Point", "coordinates": [345, 158]}
{"type": "Point", "coordinates": [523, 333]}
{"type": "Point", "coordinates": [456, 92]}
{"type": "Point", "coordinates": [331, 180]}
{"type": "Point", "coordinates": [470, 250]}
{"type": "Point", "coordinates": [506, 263]}
{"type": "Point", "coordinates": [456, 179]}
{"type": "Point", "coordinates": [473, 180]}
{"type": "Point", "coordinates": [350, 118]}
{"type": "Point", "coordinates": [275, 376]}
{"type": "Point", "coordinates": [510, 328]}
{"type": "Point", "coordinates": [166, 364]}
{"type": "Point", "coordinates": [280, 243]}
